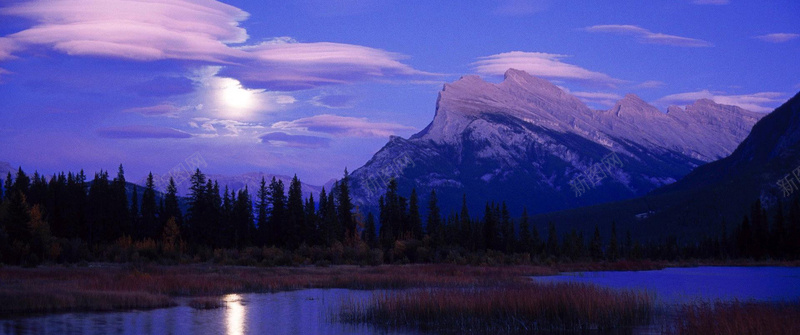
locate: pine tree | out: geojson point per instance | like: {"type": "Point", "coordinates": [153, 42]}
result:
{"type": "Point", "coordinates": [243, 219]}
{"type": "Point", "coordinates": [262, 206]}
{"type": "Point", "coordinates": [465, 227]}
{"type": "Point", "coordinates": [149, 221]}
{"type": "Point", "coordinates": [509, 238]}
{"type": "Point", "coordinates": [277, 219]}
{"type": "Point", "coordinates": [369, 232]}
{"type": "Point", "coordinates": [311, 221]}
{"type": "Point", "coordinates": [596, 245]}
{"type": "Point", "coordinates": [613, 247]}
{"type": "Point", "coordinates": [171, 207]}
{"type": "Point", "coordinates": [552, 241]}
{"type": "Point", "coordinates": [414, 219]}
{"type": "Point", "coordinates": [120, 214]}
{"type": "Point", "coordinates": [345, 208]}
{"type": "Point", "coordinates": [137, 230]}
{"type": "Point", "coordinates": [434, 222]}
{"type": "Point", "coordinates": [296, 231]}
{"type": "Point", "coordinates": [525, 239]}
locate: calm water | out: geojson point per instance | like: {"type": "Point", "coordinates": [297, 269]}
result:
{"type": "Point", "coordinates": [296, 312]}
{"type": "Point", "coordinates": [679, 285]}
{"type": "Point", "coordinates": [309, 311]}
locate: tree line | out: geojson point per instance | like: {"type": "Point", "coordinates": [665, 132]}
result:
{"type": "Point", "coordinates": [67, 219]}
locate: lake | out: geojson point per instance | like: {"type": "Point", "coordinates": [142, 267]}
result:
{"type": "Point", "coordinates": [310, 311]}
{"type": "Point", "coordinates": [680, 285]}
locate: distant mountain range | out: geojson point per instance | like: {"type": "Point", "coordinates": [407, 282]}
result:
{"type": "Point", "coordinates": [765, 166]}
{"type": "Point", "coordinates": [235, 183]}
{"type": "Point", "coordinates": [529, 143]}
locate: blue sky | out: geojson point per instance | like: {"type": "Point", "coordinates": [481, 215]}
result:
{"type": "Point", "coordinates": [312, 86]}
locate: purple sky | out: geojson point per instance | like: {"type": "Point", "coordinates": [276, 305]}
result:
{"type": "Point", "coordinates": [313, 86]}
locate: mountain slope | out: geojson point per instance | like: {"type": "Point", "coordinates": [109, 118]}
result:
{"type": "Point", "coordinates": [719, 191]}
{"type": "Point", "coordinates": [525, 141]}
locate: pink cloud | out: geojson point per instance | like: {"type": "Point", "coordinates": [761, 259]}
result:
{"type": "Point", "coordinates": [157, 110]}
{"type": "Point", "coordinates": [778, 37]}
{"type": "Point", "coordinates": [137, 30]}
{"type": "Point", "coordinates": [648, 37]}
{"type": "Point", "coordinates": [343, 126]}
{"type": "Point", "coordinates": [756, 102]}
{"type": "Point", "coordinates": [543, 65]}
{"type": "Point", "coordinates": [195, 30]}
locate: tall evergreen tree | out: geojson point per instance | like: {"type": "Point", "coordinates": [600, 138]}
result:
{"type": "Point", "coordinates": [262, 207]}
{"type": "Point", "coordinates": [345, 208]}
{"type": "Point", "coordinates": [613, 246]}
{"type": "Point", "coordinates": [120, 215]}
{"type": "Point", "coordinates": [596, 245]}
{"type": "Point", "coordinates": [171, 207]}
{"type": "Point", "coordinates": [149, 223]}
{"type": "Point", "coordinates": [434, 222]}
{"type": "Point", "coordinates": [507, 227]}
{"type": "Point", "coordinates": [137, 230]}
{"type": "Point", "coordinates": [369, 232]}
{"type": "Point", "coordinates": [278, 226]}
{"type": "Point", "coordinates": [296, 232]}
{"type": "Point", "coordinates": [414, 219]}
{"type": "Point", "coordinates": [525, 238]}
{"type": "Point", "coordinates": [552, 241]}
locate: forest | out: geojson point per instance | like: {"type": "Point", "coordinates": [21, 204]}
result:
{"type": "Point", "coordinates": [69, 219]}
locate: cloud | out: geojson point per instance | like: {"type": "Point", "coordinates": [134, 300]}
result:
{"type": "Point", "coordinates": [141, 131]}
{"type": "Point", "coordinates": [543, 65]}
{"type": "Point", "coordinates": [137, 30]}
{"type": "Point", "coordinates": [227, 128]}
{"type": "Point", "coordinates": [650, 84]}
{"type": "Point", "coordinates": [756, 102]}
{"type": "Point", "coordinates": [598, 98]}
{"type": "Point", "coordinates": [285, 65]}
{"type": "Point", "coordinates": [344, 126]}
{"type": "Point", "coordinates": [207, 31]}
{"type": "Point", "coordinates": [168, 110]}
{"type": "Point", "coordinates": [226, 98]}
{"type": "Point", "coordinates": [648, 37]}
{"type": "Point", "coordinates": [333, 101]}
{"type": "Point", "coordinates": [282, 139]}
{"type": "Point", "coordinates": [519, 7]}
{"type": "Point", "coordinates": [711, 2]}
{"type": "Point", "coordinates": [777, 37]}
{"type": "Point", "coordinates": [163, 86]}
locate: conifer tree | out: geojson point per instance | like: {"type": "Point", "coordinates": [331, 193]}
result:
{"type": "Point", "coordinates": [434, 222]}
{"type": "Point", "coordinates": [149, 221]}
{"type": "Point", "coordinates": [415, 221]}
{"type": "Point", "coordinates": [345, 208]}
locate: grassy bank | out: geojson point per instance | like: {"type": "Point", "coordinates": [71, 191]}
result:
{"type": "Point", "coordinates": [109, 287]}
{"type": "Point", "coordinates": [514, 308]}
{"type": "Point", "coordinates": [730, 318]}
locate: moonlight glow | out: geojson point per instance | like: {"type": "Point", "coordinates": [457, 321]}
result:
{"type": "Point", "coordinates": [235, 99]}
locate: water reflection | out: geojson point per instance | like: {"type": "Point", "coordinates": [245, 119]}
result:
{"type": "Point", "coordinates": [234, 314]}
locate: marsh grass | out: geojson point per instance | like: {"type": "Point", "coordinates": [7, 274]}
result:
{"type": "Point", "coordinates": [511, 308]}
{"type": "Point", "coordinates": [723, 318]}
{"type": "Point", "coordinates": [111, 287]}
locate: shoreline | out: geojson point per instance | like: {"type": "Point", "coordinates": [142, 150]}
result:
{"type": "Point", "coordinates": [102, 287]}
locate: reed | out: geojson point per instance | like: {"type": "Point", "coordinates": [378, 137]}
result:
{"type": "Point", "coordinates": [724, 318]}
{"type": "Point", "coordinates": [508, 308]}
{"type": "Point", "coordinates": [50, 289]}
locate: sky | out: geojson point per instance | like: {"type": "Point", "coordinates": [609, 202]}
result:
{"type": "Point", "coordinates": [309, 87]}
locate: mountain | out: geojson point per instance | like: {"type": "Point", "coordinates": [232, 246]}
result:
{"type": "Point", "coordinates": [236, 182]}
{"type": "Point", "coordinates": [529, 143]}
{"type": "Point", "coordinates": [719, 191]}
{"type": "Point", "coordinates": [5, 168]}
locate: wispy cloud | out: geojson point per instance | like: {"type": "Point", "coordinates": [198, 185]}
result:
{"type": "Point", "coordinates": [343, 126]}
{"type": "Point", "coordinates": [282, 139]}
{"type": "Point", "coordinates": [163, 86]}
{"type": "Point", "coordinates": [168, 110]}
{"type": "Point", "coordinates": [777, 37]}
{"type": "Point", "coordinates": [756, 102]}
{"type": "Point", "coordinates": [227, 128]}
{"type": "Point", "coordinates": [333, 101]}
{"type": "Point", "coordinates": [647, 36]}
{"type": "Point", "coordinates": [138, 30]}
{"type": "Point", "coordinates": [650, 84]}
{"type": "Point", "coordinates": [190, 30]}
{"type": "Point", "coordinates": [598, 98]}
{"type": "Point", "coordinates": [141, 131]}
{"type": "Point", "coordinates": [285, 64]}
{"type": "Point", "coordinates": [541, 64]}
